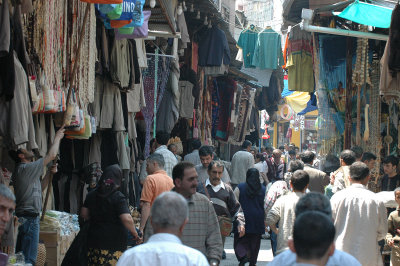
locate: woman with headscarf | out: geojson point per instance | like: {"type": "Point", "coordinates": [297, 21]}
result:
{"type": "Point", "coordinates": [251, 197]}
{"type": "Point", "coordinates": [107, 211]}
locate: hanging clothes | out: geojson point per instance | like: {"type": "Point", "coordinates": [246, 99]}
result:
{"type": "Point", "coordinates": [394, 58]}
{"type": "Point", "coordinates": [227, 88]}
{"type": "Point", "coordinates": [389, 84]}
{"type": "Point", "coordinates": [186, 101]}
{"type": "Point", "coordinates": [182, 28]}
{"type": "Point", "coordinates": [247, 42]}
{"type": "Point", "coordinates": [214, 48]}
{"type": "Point", "coordinates": [268, 51]}
{"type": "Point", "coordinates": [120, 66]}
{"type": "Point", "coordinates": [300, 61]}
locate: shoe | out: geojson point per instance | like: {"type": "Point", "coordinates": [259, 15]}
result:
{"type": "Point", "coordinates": [266, 236]}
{"type": "Point", "coordinates": [224, 255]}
{"type": "Point", "coordinates": [243, 261]}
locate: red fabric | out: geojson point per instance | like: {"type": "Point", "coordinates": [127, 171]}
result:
{"type": "Point", "coordinates": [195, 56]}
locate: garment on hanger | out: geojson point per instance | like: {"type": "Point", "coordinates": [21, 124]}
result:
{"type": "Point", "coordinates": [214, 48]}
{"type": "Point", "coordinates": [247, 42]}
{"type": "Point", "coordinates": [120, 67]}
{"type": "Point", "coordinates": [268, 51]}
{"type": "Point", "coordinates": [226, 87]}
{"type": "Point", "coordinates": [300, 61]}
{"type": "Point", "coordinates": [111, 108]}
{"type": "Point", "coordinates": [186, 102]}
{"type": "Point", "coordinates": [182, 28]}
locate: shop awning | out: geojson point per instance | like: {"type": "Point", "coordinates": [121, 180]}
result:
{"type": "Point", "coordinates": [367, 14]}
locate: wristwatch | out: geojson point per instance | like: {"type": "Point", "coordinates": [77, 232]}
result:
{"type": "Point", "coordinates": [214, 262]}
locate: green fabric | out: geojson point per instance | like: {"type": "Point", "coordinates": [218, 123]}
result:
{"type": "Point", "coordinates": [368, 14]}
{"type": "Point", "coordinates": [116, 12]}
{"type": "Point", "coordinates": [127, 30]}
{"type": "Point", "coordinates": [247, 41]}
{"type": "Point", "coordinates": [268, 53]}
{"type": "Point", "coordinates": [300, 71]}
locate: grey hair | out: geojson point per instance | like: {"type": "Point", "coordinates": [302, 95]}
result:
{"type": "Point", "coordinates": [170, 210]}
{"type": "Point", "coordinates": [6, 193]}
{"type": "Point", "coordinates": [158, 158]}
{"type": "Point", "coordinates": [216, 163]}
{"type": "Point", "coordinates": [397, 189]}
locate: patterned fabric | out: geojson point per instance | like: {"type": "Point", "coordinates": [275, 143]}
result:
{"type": "Point", "coordinates": [169, 159]}
{"type": "Point", "coordinates": [148, 81]}
{"type": "Point", "coordinates": [103, 257]}
{"type": "Point", "coordinates": [215, 107]}
{"type": "Point", "coordinates": [277, 189]}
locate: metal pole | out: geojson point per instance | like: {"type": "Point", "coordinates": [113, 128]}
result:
{"type": "Point", "coordinates": [155, 92]}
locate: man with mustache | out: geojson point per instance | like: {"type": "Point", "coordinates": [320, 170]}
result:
{"type": "Point", "coordinates": [223, 198]}
{"type": "Point", "coordinates": [202, 230]}
{"type": "Point", "coordinates": [28, 187]}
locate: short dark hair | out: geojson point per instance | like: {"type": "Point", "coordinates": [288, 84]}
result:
{"type": "Point", "coordinates": [260, 156]}
{"type": "Point", "coordinates": [391, 159]}
{"type": "Point", "coordinates": [179, 170]}
{"type": "Point", "coordinates": [217, 164]}
{"type": "Point", "coordinates": [292, 152]}
{"type": "Point", "coordinates": [367, 156]}
{"type": "Point", "coordinates": [314, 201]}
{"type": "Point", "coordinates": [246, 144]}
{"type": "Point", "coordinates": [196, 144]}
{"type": "Point", "coordinates": [359, 171]}
{"type": "Point", "coordinates": [331, 164]}
{"type": "Point", "coordinates": [162, 137]}
{"type": "Point", "coordinates": [358, 151]}
{"type": "Point", "coordinates": [313, 234]}
{"type": "Point", "coordinates": [281, 147]}
{"type": "Point", "coordinates": [296, 165]}
{"type": "Point", "coordinates": [206, 150]}
{"type": "Point", "coordinates": [348, 157]}
{"type": "Point", "coordinates": [300, 180]}
{"type": "Point", "coordinates": [307, 156]}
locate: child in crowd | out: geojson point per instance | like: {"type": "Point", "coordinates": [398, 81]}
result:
{"type": "Point", "coordinates": [393, 235]}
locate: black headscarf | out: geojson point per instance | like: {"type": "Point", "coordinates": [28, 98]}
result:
{"type": "Point", "coordinates": [253, 187]}
{"type": "Point", "coordinates": [110, 181]}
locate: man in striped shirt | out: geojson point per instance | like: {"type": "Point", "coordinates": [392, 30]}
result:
{"type": "Point", "coordinates": [202, 230]}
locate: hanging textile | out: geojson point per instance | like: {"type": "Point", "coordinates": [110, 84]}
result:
{"type": "Point", "coordinates": [299, 61]}
{"type": "Point", "coordinates": [268, 51]}
{"type": "Point", "coordinates": [247, 42]}
{"type": "Point", "coordinates": [227, 88]}
{"type": "Point", "coordinates": [214, 48]}
{"type": "Point", "coordinates": [148, 81]}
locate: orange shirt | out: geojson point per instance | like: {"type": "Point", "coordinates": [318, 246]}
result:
{"type": "Point", "coordinates": [156, 184]}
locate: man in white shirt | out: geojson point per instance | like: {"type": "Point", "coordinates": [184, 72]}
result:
{"type": "Point", "coordinates": [314, 201]}
{"type": "Point", "coordinates": [359, 218]}
{"type": "Point", "coordinates": [169, 215]}
{"type": "Point", "coordinates": [169, 158]}
{"type": "Point", "coordinates": [241, 162]}
{"type": "Point", "coordinates": [340, 179]}
{"type": "Point", "coordinates": [283, 210]}
{"type": "Point", "coordinates": [194, 157]}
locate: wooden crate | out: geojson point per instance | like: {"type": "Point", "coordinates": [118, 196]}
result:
{"type": "Point", "coordinates": [56, 246]}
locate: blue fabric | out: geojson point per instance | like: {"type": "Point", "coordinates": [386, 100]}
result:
{"type": "Point", "coordinates": [253, 209]}
{"type": "Point", "coordinates": [274, 241]}
{"type": "Point", "coordinates": [311, 105]}
{"type": "Point", "coordinates": [286, 91]}
{"type": "Point", "coordinates": [368, 14]}
{"type": "Point", "coordinates": [28, 238]}
{"type": "Point", "coordinates": [268, 51]}
{"type": "Point", "coordinates": [247, 41]}
{"type": "Point", "coordinates": [214, 48]}
{"type": "Point", "coordinates": [128, 8]}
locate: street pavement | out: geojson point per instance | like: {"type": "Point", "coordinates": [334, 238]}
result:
{"type": "Point", "coordinates": [264, 256]}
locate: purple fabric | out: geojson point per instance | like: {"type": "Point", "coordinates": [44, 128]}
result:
{"type": "Point", "coordinates": [148, 82]}
{"type": "Point", "coordinates": [139, 32]}
{"type": "Point", "coordinates": [247, 246]}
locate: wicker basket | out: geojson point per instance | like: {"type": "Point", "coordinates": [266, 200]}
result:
{"type": "Point", "coordinates": [41, 257]}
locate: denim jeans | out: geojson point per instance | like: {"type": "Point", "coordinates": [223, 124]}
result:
{"type": "Point", "coordinates": [28, 239]}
